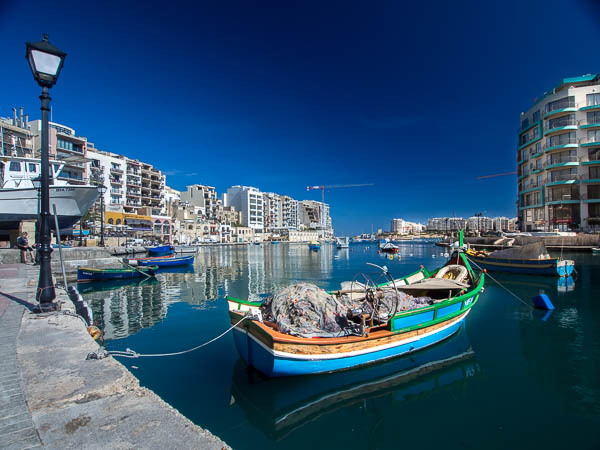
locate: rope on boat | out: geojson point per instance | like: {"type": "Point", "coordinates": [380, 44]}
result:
{"type": "Point", "coordinates": [487, 274]}
{"type": "Point", "coordinates": [129, 353]}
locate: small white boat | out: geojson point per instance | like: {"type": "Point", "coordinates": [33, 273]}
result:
{"type": "Point", "coordinates": [342, 242]}
{"type": "Point", "coordinates": [596, 250]}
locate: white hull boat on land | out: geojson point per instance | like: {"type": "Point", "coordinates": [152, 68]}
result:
{"type": "Point", "coordinates": [19, 198]}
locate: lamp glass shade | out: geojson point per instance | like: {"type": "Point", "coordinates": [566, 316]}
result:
{"type": "Point", "coordinates": [102, 189]}
{"type": "Point", "coordinates": [45, 63]}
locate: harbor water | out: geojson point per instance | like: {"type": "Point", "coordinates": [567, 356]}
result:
{"type": "Point", "coordinates": [513, 377]}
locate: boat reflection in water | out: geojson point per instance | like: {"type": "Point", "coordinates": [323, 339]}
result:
{"type": "Point", "coordinates": [529, 286]}
{"type": "Point", "coordinates": [279, 406]}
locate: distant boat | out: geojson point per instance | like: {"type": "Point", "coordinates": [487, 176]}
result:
{"type": "Point", "coordinates": [166, 261]}
{"type": "Point", "coordinates": [121, 273]}
{"type": "Point", "coordinates": [388, 247]}
{"type": "Point", "coordinates": [314, 245]}
{"type": "Point", "coordinates": [530, 259]}
{"type": "Point", "coordinates": [163, 250]}
{"type": "Point", "coordinates": [274, 242]}
{"type": "Point", "coordinates": [342, 242]}
{"type": "Point", "coordinates": [596, 250]}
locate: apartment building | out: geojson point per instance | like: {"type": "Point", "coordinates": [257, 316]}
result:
{"type": "Point", "coordinates": [315, 215]}
{"type": "Point", "coordinates": [558, 158]}
{"type": "Point", "coordinates": [273, 211]}
{"type": "Point", "coordinates": [480, 224]}
{"type": "Point", "coordinates": [289, 212]}
{"type": "Point", "coordinates": [446, 224]}
{"type": "Point", "coordinates": [64, 146]}
{"type": "Point", "coordinates": [249, 201]}
{"type": "Point", "coordinates": [15, 137]}
{"type": "Point", "coordinates": [401, 226]}
{"type": "Point", "coordinates": [202, 197]}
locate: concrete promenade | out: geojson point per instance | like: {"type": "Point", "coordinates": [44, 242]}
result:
{"type": "Point", "coordinates": [51, 396]}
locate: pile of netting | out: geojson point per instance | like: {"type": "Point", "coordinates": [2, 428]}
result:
{"type": "Point", "coordinates": [305, 310]}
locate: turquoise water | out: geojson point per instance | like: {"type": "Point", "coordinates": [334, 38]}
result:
{"type": "Point", "coordinates": [512, 378]}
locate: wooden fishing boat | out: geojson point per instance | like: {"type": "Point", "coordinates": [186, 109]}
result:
{"type": "Point", "coordinates": [166, 261]}
{"type": "Point", "coordinates": [314, 245]}
{"type": "Point", "coordinates": [92, 274]}
{"type": "Point", "coordinates": [530, 259]}
{"type": "Point", "coordinates": [388, 247]}
{"type": "Point", "coordinates": [455, 288]}
{"type": "Point", "coordinates": [163, 250]}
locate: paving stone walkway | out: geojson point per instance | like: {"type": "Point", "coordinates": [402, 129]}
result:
{"type": "Point", "coordinates": [16, 427]}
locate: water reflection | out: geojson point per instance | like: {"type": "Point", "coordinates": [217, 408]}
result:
{"type": "Point", "coordinates": [279, 406]}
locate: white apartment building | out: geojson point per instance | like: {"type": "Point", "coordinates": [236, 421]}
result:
{"type": "Point", "coordinates": [481, 224]}
{"type": "Point", "coordinates": [273, 211]}
{"type": "Point", "coordinates": [401, 226]}
{"type": "Point", "coordinates": [289, 212]}
{"type": "Point", "coordinates": [558, 158]}
{"type": "Point", "coordinates": [249, 201]}
{"type": "Point", "coordinates": [202, 197]}
{"type": "Point", "coordinates": [446, 224]}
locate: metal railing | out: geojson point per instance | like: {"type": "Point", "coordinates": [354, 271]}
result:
{"type": "Point", "coordinates": [560, 104]}
{"type": "Point", "coordinates": [559, 123]}
{"type": "Point", "coordinates": [556, 142]}
{"type": "Point", "coordinates": [560, 160]}
{"type": "Point", "coordinates": [556, 178]}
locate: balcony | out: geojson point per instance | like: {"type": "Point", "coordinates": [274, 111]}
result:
{"type": "Point", "coordinates": [591, 142]}
{"type": "Point", "coordinates": [116, 170]}
{"type": "Point", "coordinates": [591, 197]}
{"type": "Point", "coordinates": [591, 178]}
{"type": "Point", "coordinates": [592, 159]}
{"type": "Point", "coordinates": [590, 124]}
{"type": "Point", "coordinates": [563, 124]}
{"type": "Point", "coordinates": [115, 181]}
{"type": "Point", "coordinates": [562, 161]}
{"type": "Point", "coordinates": [590, 108]}
{"type": "Point", "coordinates": [562, 179]}
{"type": "Point", "coordinates": [559, 107]}
{"type": "Point", "coordinates": [557, 144]}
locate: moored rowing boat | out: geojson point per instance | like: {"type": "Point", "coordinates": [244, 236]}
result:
{"type": "Point", "coordinates": [92, 274]}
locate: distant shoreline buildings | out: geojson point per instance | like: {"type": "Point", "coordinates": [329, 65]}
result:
{"type": "Point", "coordinates": [139, 203]}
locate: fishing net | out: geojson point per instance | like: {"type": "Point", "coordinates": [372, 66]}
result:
{"type": "Point", "coordinates": [305, 310]}
{"type": "Point", "coordinates": [537, 250]}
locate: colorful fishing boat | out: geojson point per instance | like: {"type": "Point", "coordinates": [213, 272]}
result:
{"type": "Point", "coordinates": [452, 290]}
{"type": "Point", "coordinates": [314, 245]}
{"type": "Point", "coordinates": [530, 259]}
{"type": "Point", "coordinates": [121, 273]}
{"type": "Point", "coordinates": [166, 261]}
{"type": "Point", "coordinates": [163, 250]}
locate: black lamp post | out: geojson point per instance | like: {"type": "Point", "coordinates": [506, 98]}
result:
{"type": "Point", "coordinates": [102, 189]}
{"type": "Point", "coordinates": [45, 61]}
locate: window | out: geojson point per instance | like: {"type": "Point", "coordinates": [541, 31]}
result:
{"type": "Point", "coordinates": [593, 117]}
{"type": "Point", "coordinates": [594, 173]}
{"type": "Point", "coordinates": [562, 139]}
{"type": "Point", "coordinates": [566, 102]}
{"type": "Point", "coordinates": [593, 136]}
{"type": "Point", "coordinates": [16, 166]}
{"type": "Point", "coordinates": [562, 121]}
{"type": "Point", "coordinates": [563, 175]}
{"type": "Point", "coordinates": [32, 167]}
{"type": "Point", "coordinates": [110, 221]}
{"type": "Point", "coordinates": [536, 115]}
{"type": "Point", "coordinates": [562, 157]}
{"type": "Point", "coordinates": [524, 123]}
{"type": "Point", "coordinates": [61, 143]}
{"type": "Point", "coordinates": [536, 133]}
{"type": "Point", "coordinates": [593, 99]}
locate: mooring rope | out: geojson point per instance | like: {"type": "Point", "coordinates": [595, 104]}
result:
{"type": "Point", "coordinates": [500, 284]}
{"type": "Point", "coordinates": [129, 353]}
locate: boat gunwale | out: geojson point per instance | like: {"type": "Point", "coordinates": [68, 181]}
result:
{"type": "Point", "coordinates": [118, 269]}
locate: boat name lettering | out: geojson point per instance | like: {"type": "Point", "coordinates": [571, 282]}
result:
{"type": "Point", "coordinates": [63, 189]}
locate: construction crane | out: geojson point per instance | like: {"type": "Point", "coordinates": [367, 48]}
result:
{"type": "Point", "coordinates": [496, 175]}
{"type": "Point", "coordinates": [334, 186]}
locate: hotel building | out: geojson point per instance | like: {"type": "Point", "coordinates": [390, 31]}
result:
{"type": "Point", "coordinates": [558, 158]}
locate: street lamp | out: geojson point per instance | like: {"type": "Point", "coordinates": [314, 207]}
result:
{"type": "Point", "coordinates": [45, 62]}
{"type": "Point", "coordinates": [102, 190]}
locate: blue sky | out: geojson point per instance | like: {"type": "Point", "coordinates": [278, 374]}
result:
{"type": "Point", "coordinates": [419, 98]}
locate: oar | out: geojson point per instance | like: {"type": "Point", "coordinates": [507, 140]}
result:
{"type": "Point", "coordinates": [138, 270]}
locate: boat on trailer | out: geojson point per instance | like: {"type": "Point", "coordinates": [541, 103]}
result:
{"type": "Point", "coordinates": [453, 290]}
{"type": "Point", "coordinates": [532, 259]}
{"type": "Point", "coordinates": [120, 273]}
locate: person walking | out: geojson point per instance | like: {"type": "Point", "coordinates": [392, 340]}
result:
{"type": "Point", "coordinates": [23, 245]}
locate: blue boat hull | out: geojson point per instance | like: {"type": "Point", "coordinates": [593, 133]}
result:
{"type": "Point", "coordinates": [163, 250]}
{"type": "Point", "coordinates": [272, 364]}
{"type": "Point", "coordinates": [88, 275]}
{"type": "Point", "coordinates": [167, 262]}
{"type": "Point", "coordinates": [551, 267]}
